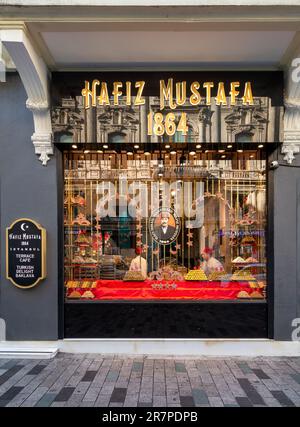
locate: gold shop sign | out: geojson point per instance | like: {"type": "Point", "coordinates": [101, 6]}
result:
{"type": "Point", "coordinates": [25, 253]}
{"type": "Point", "coordinates": [171, 96]}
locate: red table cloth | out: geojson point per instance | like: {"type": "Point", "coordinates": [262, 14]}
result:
{"type": "Point", "coordinates": [186, 290]}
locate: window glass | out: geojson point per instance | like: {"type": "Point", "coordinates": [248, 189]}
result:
{"type": "Point", "coordinates": [149, 226]}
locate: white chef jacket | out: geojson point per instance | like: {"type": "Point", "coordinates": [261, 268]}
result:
{"type": "Point", "coordinates": [139, 264]}
{"type": "Point", "coordinates": [211, 265]}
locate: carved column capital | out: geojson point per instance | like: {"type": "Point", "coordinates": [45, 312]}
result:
{"type": "Point", "coordinates": [34, 76]}
{"type": "Point", "coordinates": [291, 134]}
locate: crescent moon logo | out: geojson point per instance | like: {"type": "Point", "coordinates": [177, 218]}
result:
{"type": "Point", "coordinates": [23, 226]}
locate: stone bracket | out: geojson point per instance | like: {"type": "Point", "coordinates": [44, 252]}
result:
{"type": "Point", "coordinates": [34, 75]}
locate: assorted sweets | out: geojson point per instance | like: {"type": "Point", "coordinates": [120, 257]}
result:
{"type": "Point", "coordinates": [196, 275]}
{"type": "Point", "coordinates": [243, 275]}
{"type": "Point", "coordinates": [240, 260]}
{"type": "Point", "coordinates": [247, 295]}
{"type": "Point", "coordinates": [133, 276]}
{"type": "Point", "coordinates": [216, 275]}
{"type": "Point", "coordinates": [73, 284]}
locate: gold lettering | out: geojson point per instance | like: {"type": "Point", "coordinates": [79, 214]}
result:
{"type": "Point", "coordinates": [248, 97]}
{"type": "Point", "coordinates": [221, 96]}
{"type": "Point", "coordinates": [116, 92]}
{"type": "Point", "coordinates": [128, 93]}
{"type": "Point", "coordinates": [89, 94]}
{"type": "Point", "coordinates": [233, 92]}
{"type": "Point", "coordinates": [208, 86]}
{"type": "Point", "coordinates": [140, 86]}
{"type": "Point", "coordinates": [103, 98]}
{"type": "Point", "coordinates": [166, 93]}
{"type": "Point", "coordinates": [195, 98]}
{"type": "Point", "coordinates": [180, 93]}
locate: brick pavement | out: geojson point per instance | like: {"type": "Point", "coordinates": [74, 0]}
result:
{"type": "Point", "coordinates": [125, 381]}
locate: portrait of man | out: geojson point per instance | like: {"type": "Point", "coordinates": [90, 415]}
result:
{"type": "Point", "coordinates": [165, 227]}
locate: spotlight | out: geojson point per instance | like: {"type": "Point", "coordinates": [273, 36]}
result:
{"type": "Point", "coordinates": [261, 146]}
{"type": "Point", "coordinates": [105, 147]}
{"type": "Point", "coordinates": [167, 146]}
{"type": "Point", "coordinates": [136, 146]}
{"type": "Point", "coordinates": [198, 146]}
{"type": "Point", "coordinates": [229, 146]}
{"type": "Point", "coordinates": [74, 146]}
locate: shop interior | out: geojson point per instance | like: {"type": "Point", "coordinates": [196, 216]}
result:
{"type": "Point", "coordinates": [165, 221]}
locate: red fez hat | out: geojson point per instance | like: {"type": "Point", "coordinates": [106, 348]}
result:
{"type": "Point", "coordinates": [138, 251]}
{"type": "Point", "coordinates": [208, 251]}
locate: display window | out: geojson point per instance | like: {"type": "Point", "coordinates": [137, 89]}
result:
{"type": "Point", "coordinates": [164, 223]}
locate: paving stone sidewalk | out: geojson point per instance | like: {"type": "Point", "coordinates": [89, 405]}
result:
{"type": "Point", "coordinates": [125, 381]}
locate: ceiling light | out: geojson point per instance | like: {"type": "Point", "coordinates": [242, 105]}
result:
{"type": "Point", "coordinates": [105, 146]}
{"type": "Point", "coordinates": [260, 146]}
{"type": "Point", "coordinates": [167, 146]}
{"type": "Point", "coordinates": [136, 146]}
{"type": "Point", "coordinates": [239, 151]}
{"type": "Point", "coordinates": [198, 146]}
{"type": "Point", "coordinates": [221, 151]}
{"type": "Point", "coordinates": [192, 153]}
{"type": "Point", "coordinates": [223, 157]}
{"type": "Point", "coordinates": [229, 146]}
{"type": "Point", "coordinates": [173, 153]}
{"type": "Point", "coordinates": [74, 146]}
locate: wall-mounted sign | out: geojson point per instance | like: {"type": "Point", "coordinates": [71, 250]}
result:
{"type": "Point", "coordinates": [163, 107]}
{"type": "Point", "coordinates": [171, 96]}
{"type": "Point", "coordinates": [25, 253]}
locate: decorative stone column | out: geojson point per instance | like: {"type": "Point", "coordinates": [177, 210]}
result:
{"type": "Point", "coordinates": [34, 74]}
{"type": "Point", "coordinates": [291, 133]}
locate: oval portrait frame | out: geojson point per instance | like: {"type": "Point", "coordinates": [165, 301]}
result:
{"type": "Point", "coordinates": [151, 226]}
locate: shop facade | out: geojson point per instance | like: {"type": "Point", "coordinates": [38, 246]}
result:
{"type": "Point", "coordinates": [169, 201]}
